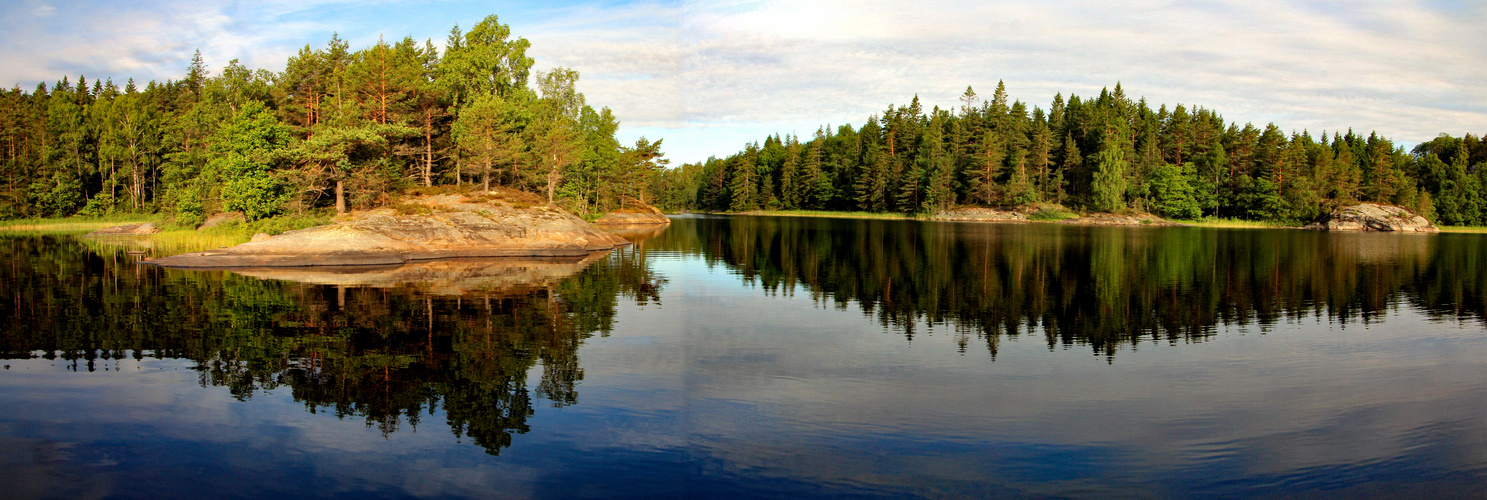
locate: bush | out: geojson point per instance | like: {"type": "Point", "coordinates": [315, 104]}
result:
{"type": "Point", "coordinates": [1052, 214]}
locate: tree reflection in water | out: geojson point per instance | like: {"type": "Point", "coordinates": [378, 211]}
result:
{"type": "Point", "coordinates": [1103, 287]}
{"type": "Point", "coordinates": [392, 347]}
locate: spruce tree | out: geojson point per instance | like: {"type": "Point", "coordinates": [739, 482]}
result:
{"type": "Point", "coordinates": [1108, 186]}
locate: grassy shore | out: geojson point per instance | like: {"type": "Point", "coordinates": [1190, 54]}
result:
{"type": "Point", "coordinates": [75, 224]}
{"type": "Point", "coordinates": [1464, 229]}
{"type": "Point", "coordinates": [173, 239]}
{"type": "Point", "coordinates": [827, 213]}
{"type": "Point", "coordinates": [1231, 223]}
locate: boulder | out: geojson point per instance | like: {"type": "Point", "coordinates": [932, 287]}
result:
{"type": "Point", "coordinates": [127, 230]}
{"type": "Point", "coordinates": [983, 214]}
{"type": "Point", "coordinates": [222, 218]}
{"type": "Point", "coordinates": [1373, 217]}
{"type": "Point", "coordinates": [634, 213]}
{"type": "Point", "coordinates": [432, 227]}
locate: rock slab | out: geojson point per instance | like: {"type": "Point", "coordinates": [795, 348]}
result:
{"type": "Point", "coordinates": [634, 213]}
{"type": "Point", "coordinates": [432, 227]}
{"type": "Point", "coordinates": [1374, 217]}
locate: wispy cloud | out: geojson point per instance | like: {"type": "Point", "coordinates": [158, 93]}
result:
{"type": "Point", "coordinates": [711, 74]}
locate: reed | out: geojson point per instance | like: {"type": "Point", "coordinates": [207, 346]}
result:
{"type": "Point", "coordinates": [60, 225]}
{"type": "Point", "coordinates": [1463, 229]}
{"type": "Point", "coordinates": [1051, 215]}
{"type": "Point", "coordinates": [176, 240]}
{"type": "Point", "coordinates": [829, 213]}
{"type": "Point", "coordinates": [1222, 222]}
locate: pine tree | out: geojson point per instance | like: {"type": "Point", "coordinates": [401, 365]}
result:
{"type": "Point", "coordinates": [1381, 183]}
{"type": "Point", "coordinates": [790, 180]}
{"type": "Point", "coordinates": [744, 186]}
{"type": "Point", "coordinates": [1108, 187]}
{"type": "Point", "coordinates": [489, 135]}
{"type": "Point", "coordinates": [1020, 189]}
{"type": "Point", "coordinates": [981, 176]}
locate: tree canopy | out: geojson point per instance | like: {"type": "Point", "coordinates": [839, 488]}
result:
{"type": "Point", "coordinates": [338, 128]}
{"type": "Point", "coordinates": [1107, 153]}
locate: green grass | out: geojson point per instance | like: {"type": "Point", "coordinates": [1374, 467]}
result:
{"type": "Point", "coordinates": [1051, 215]}
{"type": "Point", "coordinates": [1230, 223]}
{"type": "Point", "coordinates": [174, 239]}
{"type": "Point", "coordinates": [75, 224]}
{"type": "Point", "coordinates": [1463, 229]}
{"type": "Point", "coordinates": [828, 213]}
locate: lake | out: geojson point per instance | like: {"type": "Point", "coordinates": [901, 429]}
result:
{"type": "Point", "coordinates": [763, 357]}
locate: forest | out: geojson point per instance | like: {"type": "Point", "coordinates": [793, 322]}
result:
{"type": "Point", "coordinates": [338, 128]}
{"type": "Point", "coordinates": [344, 130]}
{"type": "Point", "coordinates": [1105, 154]}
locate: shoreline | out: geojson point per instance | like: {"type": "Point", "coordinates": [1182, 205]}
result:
{"type": "Point", "coordinates": [1093, 219]}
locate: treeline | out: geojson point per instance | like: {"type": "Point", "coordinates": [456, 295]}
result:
{"type": "Point", "coordinates": [1107, 153]}
{"type": "Point", "coordinates": [336, 128]}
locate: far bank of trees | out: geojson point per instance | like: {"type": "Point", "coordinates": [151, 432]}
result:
{"type": "Point", "coordinates": [1107, 153]}
{"type": "Point", "coordinates": [337, 128]}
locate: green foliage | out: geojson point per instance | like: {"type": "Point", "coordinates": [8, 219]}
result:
{"type": "Point", "coordinates": [100, 204]}
{"type": "Point", "coordinates": [1108, 188]}
{"type": "Point", "coordinates": [60, 195]}
{"type": "Point", "coordinates": [249, 148]}
{"type": "Point", "coordinates": [1172, 193]}
{"type": "Point", "coordinates": [256, 195]}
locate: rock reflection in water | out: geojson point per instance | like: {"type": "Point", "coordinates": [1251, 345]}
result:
{"type": "Point", "coordinates": [506, 276]}
{"type": "Point", "coordinates": [636, 233]}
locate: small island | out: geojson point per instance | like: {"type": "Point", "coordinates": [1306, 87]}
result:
{"type": "Point", "coordinates": [420, 228]}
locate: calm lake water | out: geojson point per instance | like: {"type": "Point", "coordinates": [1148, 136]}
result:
{"type": "Point", "coordinates": [763, 357]}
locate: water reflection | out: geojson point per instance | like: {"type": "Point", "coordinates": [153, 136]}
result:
{"type": "Point", "coordinates": [1098, 286]}
{"type": "Point", "coordinates": [387, 345]}
{"type": "Point", "coordinates": [1371, 382]}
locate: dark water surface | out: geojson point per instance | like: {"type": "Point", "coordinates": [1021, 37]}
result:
{"type": "Point", "coordinates": [763, 357]}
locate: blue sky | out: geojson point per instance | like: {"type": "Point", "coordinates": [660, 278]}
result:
{"type": "Point", "coordinates": [709, 75]}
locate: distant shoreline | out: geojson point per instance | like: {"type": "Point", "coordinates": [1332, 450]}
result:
{"type": "Point", "coordinates": [1091, 219]}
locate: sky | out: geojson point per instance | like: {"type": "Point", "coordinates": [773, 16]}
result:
{"type": "Point", "coordinates": [708, 76]}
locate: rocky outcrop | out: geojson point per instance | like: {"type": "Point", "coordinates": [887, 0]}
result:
{"type": "Point", "coordinates": [1374, 217]}
{"type": "Point", "coordinates": [1026, 213]}
{"type": "Point", "coordinates": [127, 230]}
{"type": "Point", "coordinates": [432, 227]}
{"type": "Point", "coordinates": [634, 213]}
{"type": "Point", "coordinates": [983, 214]}
{"type": "Point", "coordinates": [1109, 219]}
{"type": "Point", "coordinates": [222, 218]}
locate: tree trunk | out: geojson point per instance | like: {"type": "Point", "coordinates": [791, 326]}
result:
{"type": "Point", "coordinates": [428, 147]}
{"type": "Point", "coordinates": [340, 198]}
{"type": "Point", "coordinates": [552, 180]}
